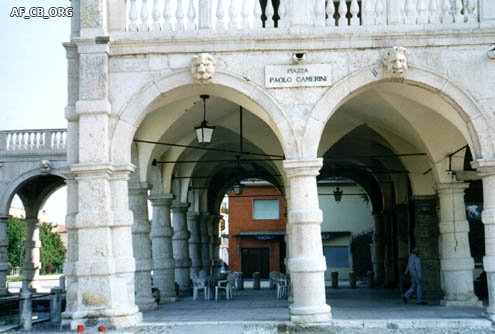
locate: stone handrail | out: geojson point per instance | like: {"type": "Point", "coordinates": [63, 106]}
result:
{"type": "Point", "coordinates": [228, 15]}
{"type": "Point", "coordinates": [16, 141]}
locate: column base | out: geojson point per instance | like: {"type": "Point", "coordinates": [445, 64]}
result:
{"type": "Point", "coordinates": [310, 314]}
{"type": "Point", "coordinates": [70, 321]}
{"type": "Point", "coordinates": [474, 302]}
{"type": "Point", "coordinates": [168, 300]}
{"type": "Point", "coordinates": [146, 304]}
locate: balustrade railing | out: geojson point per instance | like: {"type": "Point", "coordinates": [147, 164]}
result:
{"type": "Point", "coordinates": [191, 15]}
{"type": "Point", "coordinates": [33, 140]}
{"type": "Point", "coordinates": [229, 15]}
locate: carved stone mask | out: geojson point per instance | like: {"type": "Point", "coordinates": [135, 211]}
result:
{"type": "Point", "coordinates": [203, 67]}
{"type": "Point", "coordinates": [396, 61]}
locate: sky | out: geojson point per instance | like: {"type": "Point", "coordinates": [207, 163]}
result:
{"type": "Point", "coordinates": [33, 75]}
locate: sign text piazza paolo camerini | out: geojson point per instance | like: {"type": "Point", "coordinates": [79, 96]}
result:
{"type": "Point", "coordinates": [310, 75]}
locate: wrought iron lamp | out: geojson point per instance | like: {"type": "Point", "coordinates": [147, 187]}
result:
{"type": "Point", "coordinates": [337, 193]}
{"type": "Point", "coordinates": [204, 132]}
{"type": "Point", "coordinates": [238, 187]}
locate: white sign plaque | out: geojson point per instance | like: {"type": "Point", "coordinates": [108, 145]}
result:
{"type": "Point", "coordinates": [310, 75]}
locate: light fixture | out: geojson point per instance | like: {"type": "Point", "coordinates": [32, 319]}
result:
{"type": "Point", "coordinates": [204, 132]}
{"type": "Point", "coordinates": [337, 193]}
{"type": "Point", "coordinates": [238, 187]}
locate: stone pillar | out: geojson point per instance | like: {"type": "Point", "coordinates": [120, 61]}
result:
{"type": "Point", "coordinates": [389, 249]}
{"type": "Point", "coordinates": [181, 248]}
{"type": "Point", "coordinates": [32, 246]}
{"type": "Point", "coordinates": [100, 267]}
{"type": "Point", "coordinates": [379, 248]}
{"type": "Point", "coordinates": [216, 242]}
{"type": "Point", "coordinates": [4, 266]}
{"type": "Point", "coordinates": [194, 241]}
{"type": "Point", "coordinates": [426, 235]}
{"type": "Point", "coordinates": [211, 240]}
{"type": "Point", "coordinates": [401, 212]}
{"type": "Point", "coordinates": [486, 170]}
{"type": "Point", "coordinates": [307, 263]}
{"type": "Point", "coordinates": [205, 242]}
{"type": "Point", "coordinates": [163, 258]}
{"type": "Point", "coordinates": [456, 262]}
{"type": "Point", "coordinates": [138, 203]}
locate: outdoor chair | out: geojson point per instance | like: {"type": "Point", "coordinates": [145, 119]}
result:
{"type": "Point", "coordinates": [226, 285]}
{"type": "Point", "coordinates": [274, 276]}
{"type": "Point", "coordinates": [282, 286]}
{"type": "Point", "coordinates": [199, 283]}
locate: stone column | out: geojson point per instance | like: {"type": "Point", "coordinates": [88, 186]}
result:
{"type": "Point", "coordinates": [426, 235]}
{"type": "Point", "coordinates": [4, 243]}
{"type": "Point", "coordinates": [181, 248]}
{"type": "Point", "coordinates": [216, 242]}
{"type": "Point", "coordinates": [389, 249]}
{"type": "Point", "coordinates": [205, 242]}
{"type": "Point", "coordinates": [402, 215]}
{"type": "Point", "coordinates": [141, 245]}
{"type": "Point", "coordinates": [456, 262]}
{"type": "Point", "coordinates": [163, 258]}
{"type": "Point", "coordinates": [379, 248]}
{"type": "Point", "coordinates": [194, 241]}
{"type": "Point", "coordinates": [306, 263]}
{"type": "Point", "coordinates": [486, 170]}
{"type": "Point", "coordinates": [32, 247]}
{"type": "Point", "coordinates": [209, 228]}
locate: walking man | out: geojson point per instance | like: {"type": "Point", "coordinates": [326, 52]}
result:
{"type": "Point", "coordinates": [415, 269]}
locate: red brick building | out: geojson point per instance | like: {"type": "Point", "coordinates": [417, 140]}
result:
{"type": "Point", "coordinates": [257, 231]}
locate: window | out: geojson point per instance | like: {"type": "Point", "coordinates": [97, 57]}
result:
{"type": "Point", "coordinates": [336, 256]}
{"type": "Point", "coordinates": [265, 209]}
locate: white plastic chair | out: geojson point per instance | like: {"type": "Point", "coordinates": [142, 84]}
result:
{"type": "Point", "coordinates": [199, 283]}
{"type": "Point", "coordinates": [282, 285]}
{"type": "Point", "coordinates": [226, 285]}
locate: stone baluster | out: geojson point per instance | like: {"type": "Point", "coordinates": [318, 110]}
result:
{"type": "Point", "coordinates": [155, 14]}
{"type": "Point", "coordinates": [144, 16]}
{"type": "Point", "coordinates": [220, 16]}
{"type": "Point", "coordinates": [180, 244]}
{"type": "Point", "coordinates": [433, 10]}
{"type": "Point", "coordinates": [179, 16]}
{"type": "Point", "coordinates": [379, 9]}
{"type": "Point", "coordinates": [138, 204]}
{"type": "Point", "coordinates": [167, 16]}
{"type": "Point", "coordinates": [330, 11]}
{"type": "Point", "coordinates": [245, 15]}
{"type": "Point", "coordinates": [133, 16]}
{"type": "Point", "coordinates": [367, 13]}
{"type": "Point", "coordinates": [421, 11]}
{"type": "Point", "coordinates": [282, 14]}
{"type": "Point", "coordinates": [354, 10]}
{"type": "Point", "coordinates": [458, 16]}
{"type": "Point", "coordinates": [269, 13]}
{"type": "Point", "coordinates": [204, 14]}
{"type": "Point", "coordinates": [306, 263]}
{"type": "Point", "coordinates": [486, 170]}
{"type": "Point", "coordinates": [233, 13]}
{"type": "Point", "coordinates": [4, 243]}
{"type": "Point", "coordinates": [320, 13]}
{"type": "Point", "coordinates": [470, 11]}
{"type": "Point", "coordinates": [446, 17]}
{"type": "Point", "coordinates": [342, 21]}
{"type": "Point", "coordinates": [258, 23]}
{"type": "Point", "coordinates": [410, 12]}
{"type": "Point", "coordinates": [194, 241]}
{"type": "Point", "coordinates": [456, 262]}
{"type": "Point", "coordinates": [191, 16]}
{"type": "Point", "coordinates": [32, 246]}
{"type": "Point", "coordinates": [161, 241]}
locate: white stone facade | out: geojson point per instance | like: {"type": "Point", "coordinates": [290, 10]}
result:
{"type": "Point", "coordinates": [132, 85]}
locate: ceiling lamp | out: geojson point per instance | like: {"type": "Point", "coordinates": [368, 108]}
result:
{"type": "Point", "coordinates": [337, 193]}
{"type": "Point", "coordinates": [204, 132]}
{"type": "Point", "coordinates": [238, 187]}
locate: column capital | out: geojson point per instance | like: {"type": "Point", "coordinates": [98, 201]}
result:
{"type": "Point", "coordinates": [139, 187]}
{"type": "Point", "coordinates": [180, 207]}
{"type": "Point", "coordinates": [303, 167]}
{"type": "Point", "coordinates": [484, 167]}
{"type": "Point", "coordinates": [454, 187]}
{"type": "Point", "coordinates": [193, 215]}
{"type": "Point", "coordinates": [161, 200]}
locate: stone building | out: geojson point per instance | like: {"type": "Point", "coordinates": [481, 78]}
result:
{"type": "Point", "coordinates": [396, 96]}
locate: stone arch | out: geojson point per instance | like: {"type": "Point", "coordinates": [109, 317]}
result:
{"type": "Point", "coordinates": [13, 186]}
{"type": "Point", "coordinates": [174, 86]}
{"type": "Point", "coordinates": [350, 86]}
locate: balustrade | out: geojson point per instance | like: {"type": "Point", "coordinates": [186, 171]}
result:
{"type": "Point", "coordinates": [233, 15]}
{"type": "Point", "coordinates": [33, 140]}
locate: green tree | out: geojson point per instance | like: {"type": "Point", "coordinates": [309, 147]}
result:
{"type": "Point", "coordinates": [52, 252]}
{"type": "Point", "coordinates": [16, 235]}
